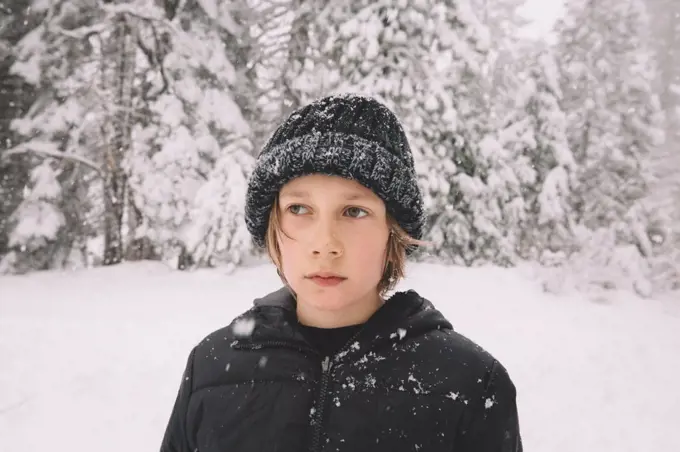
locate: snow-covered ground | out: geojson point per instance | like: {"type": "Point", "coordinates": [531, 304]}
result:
{"type": "Point", "coordinates": [91, 360]}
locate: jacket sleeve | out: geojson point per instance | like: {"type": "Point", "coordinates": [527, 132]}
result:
{"type": "Point", "coordinates": [175, 438]}
{"type": "Point", "coordinates": [493, 423]}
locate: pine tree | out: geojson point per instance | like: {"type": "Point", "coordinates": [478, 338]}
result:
{"type": "Point", "coordinates": [615, 125]}
{"type": "Point", "coordinates": [217, 232]}
{"type": "Point", "coordinates": [503, 62]}
{"type": "Point", "coordinates": [614, 115]}
{"type": "Point", "coordinates": [665, 20]}
{"type": "Point", "coordinates": [15, 98]}
{"type": "Point", "coordinates": [36, 224]}
{"type": "Point", "coordinates": [537, 137]}
{"type": "Point", "coordinates": [55, 125]}
{"type": "Point", "coordinates": [665, 195]}
{"type": "Point", "coordinates": [424, 59]}
{"type": "Point", "coordinates": [195, 136]}
{"type": "Point", "coordinates": [128, 95]}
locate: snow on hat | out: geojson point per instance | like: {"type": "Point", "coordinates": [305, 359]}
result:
{"type": "Point", "coordinates": [347, 135]}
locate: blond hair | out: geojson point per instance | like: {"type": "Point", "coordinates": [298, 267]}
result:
{"type": "Point", "coordinates": [395, 257]}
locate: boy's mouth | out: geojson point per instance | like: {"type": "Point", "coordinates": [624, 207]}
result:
{"type": "Point", "coordinates": [326, 279]}
{"type": "Point", "coordinates": [325, 275]}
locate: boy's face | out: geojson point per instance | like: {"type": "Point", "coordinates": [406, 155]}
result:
{"type": "Point", "coordinates": [336, 227]}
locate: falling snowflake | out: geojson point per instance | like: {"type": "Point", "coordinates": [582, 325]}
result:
{"type": "Point", "coordinates": [244, 327]}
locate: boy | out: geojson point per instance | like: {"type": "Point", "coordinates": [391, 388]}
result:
{"type": "Point", "coordinates": [328, 362]}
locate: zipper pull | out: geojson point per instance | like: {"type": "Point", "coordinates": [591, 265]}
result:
{"type": "Point", "coordinates": [326, 364]}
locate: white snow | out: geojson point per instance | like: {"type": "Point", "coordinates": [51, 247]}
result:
{"type": "Point", "coordinates": [453, 395]}
{"type": "Point", "coordinates": [244, 327]}
{"type": "Point", "coordinates": [401, 333]}
{"type": "Point", "coordinates": [102, 351]}
{"type": "Point", "coordinates": [37, 219]}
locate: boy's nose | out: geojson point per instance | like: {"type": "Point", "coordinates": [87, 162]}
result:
{"type": "Point", "coordinates": [325, 241]}
{"type": "Point", "coordinates": [329, 249]}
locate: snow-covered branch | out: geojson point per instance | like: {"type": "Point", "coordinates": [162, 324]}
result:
{"type": "Point", "coordinates": [46, 149]}
{"type": "Point", "coordinates": [114, 9]}
{"type": "Point", "coordinates": [79, 33]}
{"type": "Point", "coordinates": [278, 7]}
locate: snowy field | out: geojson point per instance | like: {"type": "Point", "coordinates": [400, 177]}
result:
{"type": "Point", "coordinates": [91, 360]}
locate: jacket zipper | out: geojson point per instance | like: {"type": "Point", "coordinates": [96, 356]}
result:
{"type": "Point", "coordinates": [326, 372]}
{"type": "Point", "coordinates": [326, 367]}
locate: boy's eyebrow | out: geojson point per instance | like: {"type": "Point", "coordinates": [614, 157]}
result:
{"type": "Point", "coordinates": [294, 194]}
{"type": "Point", "coordinates": [349, 196]}
{"type": "Point", "coordinates": [354, 196]}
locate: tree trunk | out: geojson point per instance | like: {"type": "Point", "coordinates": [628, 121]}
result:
{"type": "Point", "coordinates": [186, 260]}
{"type": "Point", "coordinates": [121, 77]}
{"type": "Point", "coordinates": [297, 50]}
{"type": "Point", "coordinates": [138, 248]}
{"type": "Point", "coordinates": [16, 97]}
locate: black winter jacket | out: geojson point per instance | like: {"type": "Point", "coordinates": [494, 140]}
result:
{"type": "Point", "coordinates": [405, 382]}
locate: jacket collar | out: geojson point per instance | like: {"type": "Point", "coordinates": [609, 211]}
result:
{"type": "Point", "coordinates": [403, 316]}
{"type": "Point", "coordinates": [280, 298]}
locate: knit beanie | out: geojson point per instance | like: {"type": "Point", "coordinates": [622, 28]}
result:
{"type": "Point", "coordinates": [348, 135]}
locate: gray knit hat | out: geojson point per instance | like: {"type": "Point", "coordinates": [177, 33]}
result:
{"type": "Point", "coordinates": [346, 135]}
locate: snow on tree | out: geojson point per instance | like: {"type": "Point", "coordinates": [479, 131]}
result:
{"type": "Point", "coordinates": [424, 59]}
{"type": "Point", "coordinates": [137, 98]}
{"type": "Point", "coordinates": [601, 264]}
{"type": "Point", "coordinates": [79, 59]}
{"type": "Point", "coordinates": [503, 61]}
{"type": "Point", "coordinates": [58, 126]}
{"type": "Point", "coordinates": [195, 136]}
{"type": "Point", "coordinates": [36, 223]}
{"type": "Point", "coordinates": [16, 97]}
{"type": "Point", "coordinates": [665, 192]}
{"type": "Point", "coordinates": [535, 134]}
{"type": "Point", "coordinates": [665, 20]}
{"type": "Point", "coordinates": [614, 116]}
{"type": "Point", "coordinates": [614, 127]}
{"type": "Point", "coordinates": [217, 232]}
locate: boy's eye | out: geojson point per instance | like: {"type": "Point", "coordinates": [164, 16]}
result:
{"type": "Point", "coordinates": [295, 209]}
{"type": "Point", "coordinates": [356, 212]}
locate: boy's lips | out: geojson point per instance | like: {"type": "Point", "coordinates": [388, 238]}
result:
{"type": "Point", "coordinates": [325, 275]}
{"type": "Point", "coordinates": [326, 279]}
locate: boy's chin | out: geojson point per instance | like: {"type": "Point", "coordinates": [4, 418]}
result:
{"type": "Point", "coordinates": [330, 298]}
{"type": "Point", "coordinates": [326, 298]}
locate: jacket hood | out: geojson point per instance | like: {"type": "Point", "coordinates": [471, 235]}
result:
{"type": "Point", "coordinates": [403, 316]}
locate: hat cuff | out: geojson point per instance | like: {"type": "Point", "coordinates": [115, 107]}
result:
{"type": "Point", "coordinates": [337, 154]}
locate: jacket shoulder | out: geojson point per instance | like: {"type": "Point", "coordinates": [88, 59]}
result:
{"type": "Point", "coordinates": [239, 327]}
{"type": "Point", "coordinates": [214, 354]}
{"type": "Point", "coordinates": [461, 348]}
{"type": "Point", "coordinates": [462, 363]}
